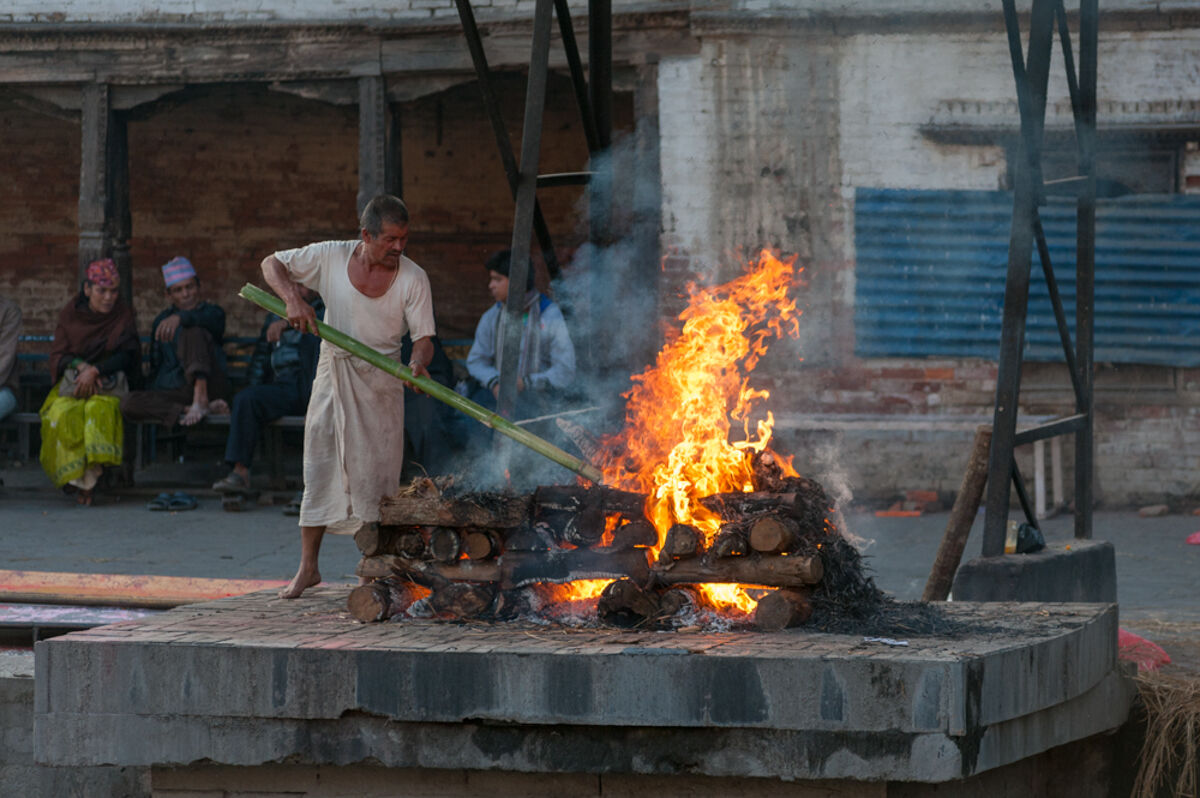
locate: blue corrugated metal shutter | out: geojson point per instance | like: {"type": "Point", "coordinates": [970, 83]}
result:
{"type": "Point", "coordinates": [931, 267]}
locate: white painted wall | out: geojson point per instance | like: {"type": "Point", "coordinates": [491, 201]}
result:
{"type": "Point", "coordinates": [893, 84]}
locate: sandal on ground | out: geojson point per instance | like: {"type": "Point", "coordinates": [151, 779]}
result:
{"type": "Point", "coordinates": [234, 483]}
{"type": "Point", "coordinates": [160, 502]}
{"type": "Point", "coordinates": [181, 501]}
{"type": "Point", "coordinates": [293, 506]}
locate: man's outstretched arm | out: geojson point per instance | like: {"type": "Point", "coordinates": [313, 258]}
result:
{"type": "Point", "coordinates": [300, 314]}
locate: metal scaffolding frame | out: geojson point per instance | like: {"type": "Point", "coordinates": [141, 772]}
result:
{"type": "Point", "coordinates": [594, 98]}
{"type": "Point", "coordinates": [1046, 18]}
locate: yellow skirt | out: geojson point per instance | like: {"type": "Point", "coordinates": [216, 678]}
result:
{"type": "Point", "coordinates": [77, 433]}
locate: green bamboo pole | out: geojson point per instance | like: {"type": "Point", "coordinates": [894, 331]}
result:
{"type": "Point", "coordinates": [275, 305]}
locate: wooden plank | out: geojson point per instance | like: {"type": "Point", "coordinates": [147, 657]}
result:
{"type": "Point", "coordinates": [41, 587]}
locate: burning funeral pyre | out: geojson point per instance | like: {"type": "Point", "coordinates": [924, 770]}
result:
{"type": "Point", "coordinates": [690, 527]}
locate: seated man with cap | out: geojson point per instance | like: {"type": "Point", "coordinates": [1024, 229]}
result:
{"type": "Point", "coordinates": [187, 366]}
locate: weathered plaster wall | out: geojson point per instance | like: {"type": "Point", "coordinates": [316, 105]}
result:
{"type": "Point", "coordinates": [234, 11]}
{"type": "Point", "coordinates": [766, 137]}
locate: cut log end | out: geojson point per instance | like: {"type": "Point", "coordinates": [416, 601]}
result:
{"type": "Point", "coordinates": [382, 599]}
{"type": "Point", "coordinates": [444, 544]}
{"type": "Point", "coordinates": [773, 534]}
{"type": "Point", "coordinates": [481, 545]}
{"type": "Point", "coordinates": [782, 609]}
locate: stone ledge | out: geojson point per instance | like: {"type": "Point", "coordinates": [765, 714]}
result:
{"type": "Point", "coordinates": [263, 657]}
{"type": "Point", "coordinates": [254, 679]}
{"type": "Point", "coordinates": [1082, 570]}
{"type": "Point", "coordinates": [769, 753]}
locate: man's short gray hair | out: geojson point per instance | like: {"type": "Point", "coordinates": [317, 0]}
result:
{"type": "Point", "coordinates": [383, 209]}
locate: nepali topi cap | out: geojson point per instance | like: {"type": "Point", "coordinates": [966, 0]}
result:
{"type": "Point", "coordinates": [178, 270]}
{"type": "Point", "coordinates": [102, 272]}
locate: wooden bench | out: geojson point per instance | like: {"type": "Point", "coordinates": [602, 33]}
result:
{"type": "Point", "coordinates": [238, 353]}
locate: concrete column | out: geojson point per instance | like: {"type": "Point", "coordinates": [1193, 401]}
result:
{"type": "Point", "coordinates": [95, 115]}
{"type": "Point", "coordinates": [372, 139]}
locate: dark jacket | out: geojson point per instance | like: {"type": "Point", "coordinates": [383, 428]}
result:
{"type": "Point", "coordinates": [166, 372]}
{"type": "Point", "coordinates": [292, 359]}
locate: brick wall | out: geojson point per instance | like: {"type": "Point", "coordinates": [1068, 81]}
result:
{"type": "Point", "coordinates": [456, 188]}
{"type": "Point", "coordinates": [39, 201]}
{"type": "Point", "coordinates": [227, 174]}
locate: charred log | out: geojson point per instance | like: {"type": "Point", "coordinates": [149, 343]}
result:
{"type": "Point", "coordinates": [575, 497]}
{"type": "Point", "coordinates": [410, 544]}
{"type": "Point", "coordinates": [730, 542]}
{"type": "Point", "coordinates": [566, 565]}
{"type": "Point", "coordinates": [739, 507]}
{"type": "Point", "coordinates": [634, 534]}
{"type": "Point", "coordinates": [682, 541]}
{"type": "Point", "coordinates": [625, 604]}
{"type": "Point", "coordinates": [530, 537]}
{"type": "Point", "coordinates": [804, 499]}
{"type": "Point", "coordinates": [782, 609]}
{"type": "Point", "coordinates": [769, 570]}
{"type": "Point", "coordinates": [678, 601]}
{"type": "Point", "coordinates": [462, 599]}
{"type": "Point", "coordinates": [768, 472]}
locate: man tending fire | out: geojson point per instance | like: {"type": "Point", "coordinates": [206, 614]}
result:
{"type": "Point", "coordinates": [684, 519]}
{"type": "Point", "coordinates": [354, 433]}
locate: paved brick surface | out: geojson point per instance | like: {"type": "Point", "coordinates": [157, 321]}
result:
{"type": "Point", "coordinates": [320, 620]}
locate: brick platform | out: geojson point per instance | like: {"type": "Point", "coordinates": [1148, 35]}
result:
{"type": "Point", "coordinates": [254, 680]}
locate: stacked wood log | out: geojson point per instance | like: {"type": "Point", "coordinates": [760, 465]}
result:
{"type": "Point", "coordinates": [472, 553]}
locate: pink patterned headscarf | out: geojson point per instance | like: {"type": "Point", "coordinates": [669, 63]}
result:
{"type": "Point", "coordinates": [102, 272]}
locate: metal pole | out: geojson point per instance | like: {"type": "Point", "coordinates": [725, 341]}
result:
{"type": "Point", "coordinates": [571, 47]}
{"type": "Point", "coordinates": [1085, 263]}
{"type": "Point", "coordinates": [1031, 94]}
{"type": "Point", "coordinates": [500, 131]}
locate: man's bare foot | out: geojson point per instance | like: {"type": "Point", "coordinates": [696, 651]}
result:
{"type": "Point", "coordinates": [302, 581]}
{"type": "Point", "coordinates": [194, 414]}
{"type": "Point", "coordinates": [219, 407]}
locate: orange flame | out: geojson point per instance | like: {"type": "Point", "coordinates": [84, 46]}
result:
{"type": "Point", "coordinates": [675, 446]}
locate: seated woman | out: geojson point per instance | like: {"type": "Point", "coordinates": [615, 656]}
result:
{"type": "Point", "coordinates": [94, 356]}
